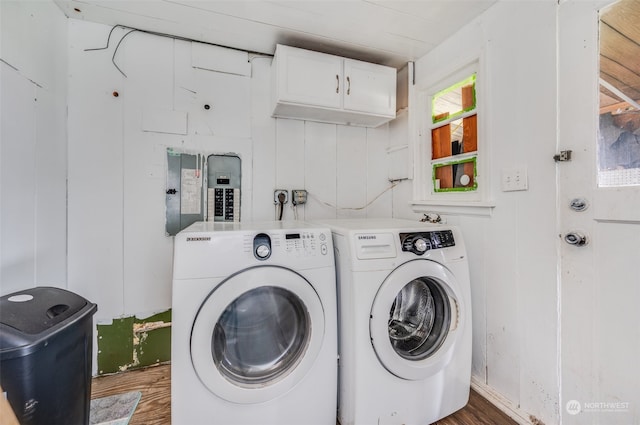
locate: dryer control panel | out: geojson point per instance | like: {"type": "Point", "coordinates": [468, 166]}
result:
{"type": "Point", "coordinates": [305, 243]}
{"type": "Point", "coordinates": [298, 244]}
{"type": "Point", "coordinates": [421, 242]}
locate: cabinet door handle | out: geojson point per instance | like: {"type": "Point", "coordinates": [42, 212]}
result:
{"type": "Point", "coordinates": [348, 85]}
{"type": "Point", "coordinates": [337, 83]}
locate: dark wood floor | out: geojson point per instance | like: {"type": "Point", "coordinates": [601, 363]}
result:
{"type": "Point", "coordinates": [155, 405]}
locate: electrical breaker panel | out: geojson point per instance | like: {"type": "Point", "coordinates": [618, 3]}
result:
{"type": "Point", "coordinates": [184, 191]}
{"type": "Point", "coordinates": [195, 181]}
{"type": "Point", "coordinates": [223, 188]}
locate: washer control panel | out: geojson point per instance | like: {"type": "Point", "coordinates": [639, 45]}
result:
{"type": "Point", "coordinates": [421, 242]}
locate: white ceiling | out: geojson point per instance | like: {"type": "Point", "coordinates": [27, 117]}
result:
{"type": "Point", "coordinates": [389, 32]}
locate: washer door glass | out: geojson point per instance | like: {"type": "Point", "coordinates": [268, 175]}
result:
{"type": "Point", "coordinates": [260, 335]}
{"type": "Point", "coordinates": [419, 319]}
{"type": "Point", "coordinates": [257, 334]}
{"type": "Point", "coordinates": [416, 319]}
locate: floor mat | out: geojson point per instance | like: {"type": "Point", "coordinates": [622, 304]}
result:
{"type": "Point", "coordinates": [115, 409]}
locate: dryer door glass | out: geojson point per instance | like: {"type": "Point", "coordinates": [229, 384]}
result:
{"type": "Point", "coordinates": [260, 336]}
{"type": "Point", "coordinates": [419, 319]}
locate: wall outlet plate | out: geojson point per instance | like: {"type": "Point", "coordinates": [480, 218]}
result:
{"type": "Point", "coordinates": [276, 196]}
{"type": "Point", "coordinates": [514, 179]}
{"type": "Point", "coordinates": [298, 196]}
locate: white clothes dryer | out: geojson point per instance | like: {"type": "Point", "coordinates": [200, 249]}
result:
{"type": "Point", "coordinates": [404, 319]}
{"type": "Point", "coordinates": [254, 326]}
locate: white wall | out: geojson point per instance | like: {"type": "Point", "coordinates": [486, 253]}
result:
{"type": "Point", "coordinates": [33, 150]}
{"type": "Point", "coordinates": [512, 253]}
{"type": "Point", "coordinates": [119, 255]}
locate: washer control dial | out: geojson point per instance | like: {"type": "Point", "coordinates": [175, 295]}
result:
{"type": "Point", "coordinates": [421, 242]}
{"type": "Point", "coordinates": [420, 245]}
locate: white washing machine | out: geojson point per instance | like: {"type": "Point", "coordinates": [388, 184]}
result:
{"type": "Point", "coordinates": [404, 314]}
{"type": "Point", "coordinates": [254, 326]}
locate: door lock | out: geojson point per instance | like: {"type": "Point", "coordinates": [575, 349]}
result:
{"type": "Point", "coordinates": [576, 239]}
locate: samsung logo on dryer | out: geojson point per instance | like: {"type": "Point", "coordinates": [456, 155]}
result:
{"type": "Point", "coordinates": [367, 237]}
{"type": "Point", "coordinates": [198, 238]}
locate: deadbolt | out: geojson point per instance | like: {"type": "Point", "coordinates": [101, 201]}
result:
{"type": "Point", "coordinates": [579, 204]}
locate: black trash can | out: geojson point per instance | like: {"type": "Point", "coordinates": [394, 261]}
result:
{"type": "Point", "coordinates": [46, 340]}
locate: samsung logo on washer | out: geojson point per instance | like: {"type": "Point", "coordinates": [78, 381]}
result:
{"type": "Point", "coordinates": [366, 237]}
{"type": "Point", "coordinates": [198, 238]}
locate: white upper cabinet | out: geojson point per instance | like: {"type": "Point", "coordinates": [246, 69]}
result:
{"type": "Point", "coordinates": [369, 88]}
{"type": "Point", "coordinates": [320, 87]}
{"type": "Point", "coordinates": [308, 78]}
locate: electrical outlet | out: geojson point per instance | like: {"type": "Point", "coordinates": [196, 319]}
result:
{"type": "Point", "coordinates": [277, 194]}
{"type": "Point", "coordinates": [298, 197]}
{"type": "Point", "coordinates": [514, 179]}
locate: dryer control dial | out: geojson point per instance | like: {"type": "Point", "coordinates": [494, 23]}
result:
{"type": "Point", "coordinates": [263, 251]}
{"type": "Point", "coordinates": [262, 246]}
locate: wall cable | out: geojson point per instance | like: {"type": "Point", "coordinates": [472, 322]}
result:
{"type": "Point", "coordinates": [280, 205]}
{"type": "Point", "coordinates": [393, 184]}
{"type": "Point", "coordinates": [160, 34]}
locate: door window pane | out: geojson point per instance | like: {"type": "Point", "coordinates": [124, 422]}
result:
{"type": "Point", "coordinates": [619, 136]}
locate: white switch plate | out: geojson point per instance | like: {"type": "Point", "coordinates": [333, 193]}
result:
{"type": "Point", "coordinates": [514, 179]}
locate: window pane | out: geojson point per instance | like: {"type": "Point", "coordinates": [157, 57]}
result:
{"type": "Point", "coordinates": [458, 176]}
{"type": "Point", "coordinates": [457, 137]}
{"type": "Point", "coordinates": [619, 136]}
{"type": "Point", "coordinates": [454, 100]}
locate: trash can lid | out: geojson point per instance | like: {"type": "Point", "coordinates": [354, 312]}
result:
{"type": "Point", "coordinates": [36, 310]}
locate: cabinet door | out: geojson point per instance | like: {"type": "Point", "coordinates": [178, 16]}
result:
{"type": "Point", "coordinates": [369, 88]}
{"type": "Point", "coordinates": [310, 78]}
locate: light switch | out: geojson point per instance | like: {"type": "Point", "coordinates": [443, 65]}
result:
{"type": "Point", "coordinates": [514, 179]}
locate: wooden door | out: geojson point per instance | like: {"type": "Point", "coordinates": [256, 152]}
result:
{"type": "Point", "coordinates": [600, 279]}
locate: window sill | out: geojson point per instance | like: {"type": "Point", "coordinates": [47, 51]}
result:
{"type": "Point", "coordinates": [476, 208]}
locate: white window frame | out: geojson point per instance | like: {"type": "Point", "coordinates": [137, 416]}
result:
{"type": "Point", "coordinates": [475, 202]}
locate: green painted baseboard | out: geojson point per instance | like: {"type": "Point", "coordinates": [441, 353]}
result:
{"type": "Point", "coordinates": [132, 343]}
